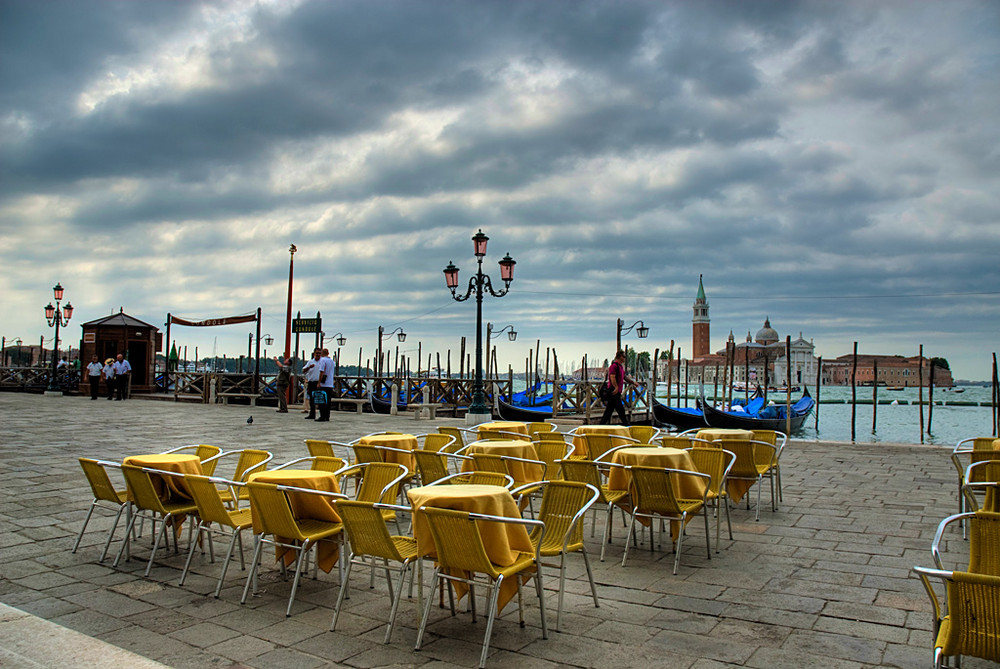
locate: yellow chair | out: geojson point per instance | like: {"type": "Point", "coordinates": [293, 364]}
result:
{"type": "Point", "coordinates": [322, 447]}
{"type": "Point", "coordinates": [539, 427]}
{"type": "Point", "coordinates": [461, 555]}
{"type": "Point", "coordinates": [380, 483]}
{"type": "Point", "coordinates": [779, 440]}
{"type": "Point", "coordinates": [984, 542]}
{"type": "Point", "coordinates": [104, 492]}
{"type": "Point", "coordinates": [211, 509]}
{"type": "Point", "coordinates": [599, 446]}
{"type": "Point", "coordinates": [551, 452]}
{"type": "Point", "coordinates": [369, 537]}
{"type": "Point", "coordinates": [433, 465]}
{"type": "Point", "coordinates": [654, 496]}
{"type": "Point", "coordinates": [644, 434]}
{"type": "Point", "coordinates": [971, 625]}
{"type": "Point", "coordinates": [564, 504]}
{"type": "Point", "coordinates": [489, 434]}
{"type": "Point", "coordinates": [685, 441]}
{"type": "Point", "coordinates": [477, 477]}
{"type": "Point", "coordinates": [248, 461]}
{"type": "Point", "coordinates": [982, 477]}
{"type": "Point", "coordinates": [208, 455]}
{"type": "Point", "coordinates": [275, 518]}
{"type": "Point", "coordinates": [317, 463]}
{"type": "Point", "coordinates": [587, 471]}
{"type": "Point", "coordinates": [435, 441]}
{"type": "Point", "coordinates": [148, 504]}
{"type": "Point", "coordinates": [754, 461]}
{"type": "Point", "coordinates": [716, 462]}
{"type": "Point", "coordinates": [457, 433]}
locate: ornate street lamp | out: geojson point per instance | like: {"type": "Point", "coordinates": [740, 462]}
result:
{"type": "Point", "coordinates": [382, 336]}
{"type": "Point", "coordinates": [341, 339]}
{"type": "Point", "coordinates": [55, 318]}
{"type": "Point", "coordinates": [478, 284]}
{"type": "Point", "coordinates": [642, 331]}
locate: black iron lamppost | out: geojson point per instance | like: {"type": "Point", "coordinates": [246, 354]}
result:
{"type": "Point", "coordinates": [479, 283]}
{"type": "Point", "coordinates": [383, 335]}
{"type": "Point", "coordinates": [56, 318]}
{"type": "Point", "coordinates": [642, 331]}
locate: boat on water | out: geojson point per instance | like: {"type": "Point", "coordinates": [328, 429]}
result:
{"type": "Point", "coordinates": [382, 406]}
{"type": "Point", "coordinates": [682, 418]}
{"type": "Point", "coordinates": [523, 414]}
{"type": "Point", "coordinates": [771, 417]}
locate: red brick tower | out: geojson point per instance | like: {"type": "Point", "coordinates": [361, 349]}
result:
{"type": "Point", "coordinates": [699, 324]}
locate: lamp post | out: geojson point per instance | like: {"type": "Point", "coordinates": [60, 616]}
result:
{"type": "Point", "coordinates": [478, 283]}
{"type": "Point", "coordinates": [56, 319]}
{"type": "Point", "coordinates": [642, 332]}
{"type": "Point", "coordinates": [383, 335]}
{"type": "Point", "coordinates": [490, 335]}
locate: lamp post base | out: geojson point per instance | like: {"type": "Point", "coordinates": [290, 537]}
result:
{"type": "Point", "coordinates": [477, 418]}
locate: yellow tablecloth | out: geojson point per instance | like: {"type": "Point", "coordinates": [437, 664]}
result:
{"type": "Point", "coordinates": [490, 430]}
{"type": "Point", "coordinates": [713, 433]}
{"type": "Point", "coordinates": [521, 472]}
{"type": "Point", "coordinates": [304, 506]}
{"type": "Point", "coordinates": [168, 487]}
{"type": "Point", "coordinates": [403, 441]}
{"type": "Point", "coordinates": [503, 542]}
{"type": "Point", "coordinates": [580, 446]}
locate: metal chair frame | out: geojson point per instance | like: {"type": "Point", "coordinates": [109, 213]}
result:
{"type": "Point", "coordinates": [236, 522]}
{"type": "Point", "coordinates": [104, 492]}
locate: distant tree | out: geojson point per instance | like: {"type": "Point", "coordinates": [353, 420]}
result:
{"type": "Point", "coordinates": [940, 363]}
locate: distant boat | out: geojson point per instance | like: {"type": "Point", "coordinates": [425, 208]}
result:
{"type": "Point", "coordinates": [767, 418]}
{"type": "Point", "coordinates": [958, 390]}
{"type": "Point", "coordinates": [895, 388]}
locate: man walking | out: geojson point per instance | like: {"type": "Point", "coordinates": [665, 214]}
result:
{"type": "Point", "coordinates": [325, 384]}
{"type": "Point", "coordinates": [123, 372]}
{"type": "Point", "coordinates": [312, 371]}
{"type": "Point", "coordinates": [109, 378]}
{"type": "Point", "coordinates": [94, 370]}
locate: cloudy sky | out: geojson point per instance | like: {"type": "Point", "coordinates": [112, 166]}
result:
{"type": "Point", "coordinates": [832, 165]}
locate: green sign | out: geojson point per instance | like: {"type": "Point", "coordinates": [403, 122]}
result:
{"type": "Point", "coordinates": [302, 325]}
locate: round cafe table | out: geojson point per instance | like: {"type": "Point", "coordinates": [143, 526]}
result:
{"type": "Point", "coordinates": [713, 433]}
{"type": "Point", "coordinates": [304, 507]}
{"type": "Point", "coordinates": [486, 429]}
{"type": "Point", "coordinates": [521, 472]}
{"type": "Point", "coordinates": [168, 487]}
{"type": "Point", "coordinates": [406, 442]}
{"type": "Point", "coordinates": [688, 487]}
{"type": "Point", "coordinates": [580, 445]}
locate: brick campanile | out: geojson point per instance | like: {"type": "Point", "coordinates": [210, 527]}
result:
{"type": "Point", "coordinates": [699, 324]}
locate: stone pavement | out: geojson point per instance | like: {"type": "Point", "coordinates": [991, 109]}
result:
{"type": "Point", "coordinates": [823, 582]}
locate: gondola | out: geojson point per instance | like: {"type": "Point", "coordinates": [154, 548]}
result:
{"type": "Point", "coordinates": [507, 411]}
{"type": "Point", "coordinates": [769, 418]}
{"type": "Point", "coordinates": [682, 418]}
{"type": "Point", "coordinates": [382, 406]}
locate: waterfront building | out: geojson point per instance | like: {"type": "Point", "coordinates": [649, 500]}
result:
{"type": "Point", "coordinates": [893, 371]}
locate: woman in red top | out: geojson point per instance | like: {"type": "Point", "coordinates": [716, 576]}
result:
{"type": "Point", "coordinates": [614, 384]}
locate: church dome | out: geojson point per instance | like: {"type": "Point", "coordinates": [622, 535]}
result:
{"type": "Point", "coordinates": [767, 334]}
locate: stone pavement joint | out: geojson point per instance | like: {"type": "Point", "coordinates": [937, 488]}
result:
{"type": "Point", "coordinates": [825, 580]}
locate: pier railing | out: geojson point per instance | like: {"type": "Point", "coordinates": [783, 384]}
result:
{"type": "Point", "coordinates": [36, 379]}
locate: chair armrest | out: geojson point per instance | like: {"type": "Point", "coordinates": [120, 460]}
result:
{"type": "Point", "coordinates": [294, 462]}
{"type": "Point", "coordinates": [528, 486]}
{"type": "Point", "coordinates": [600, 458]}
{"type": "Point", "coordinates": [936, 544]}
{"type": "Point", "coordinates": [177, 449]}
{"type": "Point", "coordinates": [525, 460]}
{"type": "Point", "coordinates": [396, 481]}
{"type": "Point", "coordinates": [312, 491]}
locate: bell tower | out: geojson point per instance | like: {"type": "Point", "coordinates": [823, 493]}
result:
{"type": "Point", "coordinates": [700, 324]}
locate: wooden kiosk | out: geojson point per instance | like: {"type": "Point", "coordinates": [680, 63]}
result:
{"type": "Point", "coordinates": [120, 333]}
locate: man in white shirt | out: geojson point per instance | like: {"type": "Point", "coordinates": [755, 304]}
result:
{"type": "Point", "coordinates": [109, 378]}
{"type": "Point", "coordinates": [325, 384]}
{"type": "Point", "coordinates": [94, 369]}
{"type": "Point", "coordinates": [123, 371]}
{"type": "Point", "coordinates": [312, 371]}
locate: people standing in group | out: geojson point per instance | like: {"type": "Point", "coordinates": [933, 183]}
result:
{"type": "Point", "coordinates": [63, 364]}
{"type": "Point", "coordinates": [281, 383]}
{"type": "Point", "coordinates": [325, 384]}
{"type": "Point", "coordinates": [123, 372]}
{"type": "Point", "coordinates": [109, 378]}
{"type": "Point", "coordinates": [94, 371]}
{"type": "Point", "coordinates": [614, 384]}
{"type": "Point", "coordinates": [312, 371]}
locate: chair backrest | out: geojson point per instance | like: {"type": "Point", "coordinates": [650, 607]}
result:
{"type": "Point", "coordinates": [537, 427]}
{"type": "Point", "coordinates": [974, 610]}
{"type": "Point", "coordinates": [582, 471]}
{"type": "Point", "coordinates": [745, 465]}
{"type": "Point", "coordinates": [484, 462]}
{"type": "Point", "coordinates": [652, 490]}
{"type": "Point", "coordinates": [712, 461]}
{"type": "Point", "coordinates": [982, 473]}
{"type": "Point", "coordinates": [770, 436]}
{"type": "Point", "coordinates": [366, 453]}
{"type": "Point", "coordinates": [322, 463]}
{"type": "Point", "coordinates": [976, 444]}
{"type": "Point", "coordinates": [206, 453]}
{"type": "Point", "coordinates": [550, 452]}
{"type": "Point", "coordinates": [211, 508]}
{"type": "Point", "coordinates": [431, 465]}
{"type": "Point", "coordinates": [272, 511]}
{"type": "Point", "coordinates": [598, 444]}
{"type": "Point", "coordinates": [100, 482]}
{"type": "Point", "coordinates": [320, 447]}
{"type": "Point", "coordinates": [439, 442]}
{"type": "Point", "coordinates": [644, 434]}
{"type": "Point", "coordinates": [984, 543]}
{"type": "Point", "coordinates": [454, 432]}
{"type": "Point", "coordinates": [549, 437]}
{"type": "Point", "coordinates": [251, 461]}
{"type": "Point", "coordinates": [141, 489]}
{"type": "Point", "coordinates": [490, 478]}
{"type": "Point", "coordinates": [376, 477]}
{"type": "Point", "coordinates": [366, 529]}
{"type": "Point", "coordinates": [491, 434]}
{"type": "Point", "coordinates": [563, 506]}
{"type": "Point", "coordinates": [457, 540]}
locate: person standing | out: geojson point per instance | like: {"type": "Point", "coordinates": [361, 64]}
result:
{"type": "Point", "coordinates": [123, 372]}
{"type": "Point", "coordinates": [325, 384]}
{"type": "Point", "coordinates": [613, 386]}
{"type": "Point", "coordinates": [312, 371]}
{"type": "Point", "coordinates": [109, 378]}
{"type": "Point", "coordinates": [94, 370]}
{"type": "Point", "coordinates": [282, 382]}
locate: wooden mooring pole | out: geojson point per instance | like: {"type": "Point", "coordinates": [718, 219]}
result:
{"type": "Point", "coordinates": [854, 391]}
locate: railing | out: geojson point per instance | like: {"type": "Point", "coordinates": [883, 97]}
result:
{"type": "Point", "coordinates": [36, 379]}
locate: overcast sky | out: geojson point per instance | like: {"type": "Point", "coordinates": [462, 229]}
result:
{"type": "Point", "coordinates": [832, 165]}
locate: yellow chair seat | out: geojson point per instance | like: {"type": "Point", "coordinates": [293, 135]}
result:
{"type": "Point", "coordinates": [316, 530]}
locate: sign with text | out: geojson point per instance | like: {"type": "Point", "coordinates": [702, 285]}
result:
{"type": "Point", "coordinates": [304, 325]}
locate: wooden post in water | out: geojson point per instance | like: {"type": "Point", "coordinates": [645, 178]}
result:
{"type": "Point", "coordinates": [930, 399]}
{"type": "Point", "coordinates": [854, 391]}
{"type": "Point", "coordinates": [788, 385]}
{"type": "Point", "coordinates": [555, 382]}
{"type": "Point", "coordinates": [874, 394]}
{"type": "Point", "coordinates": [920, 390]}
{"type": "Point", "coordinates": [746, 376]}
{"type": "Point", "coordinates": [680, 360]}
{"type": "Point", "coordinates": [420, 355]}
{"type": "Point", "coordinates": [670, 370]}
{"type": "Point", "coordinates": [996, 395]}
{"type": "Point", "coordinates": [654, 377]}
{"type": "Point", "coordinates": [461, 360]}
{"type": "Point", "coordinates": [715, 385]}
{"type": "Point", "coordinates": [819, 381]}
